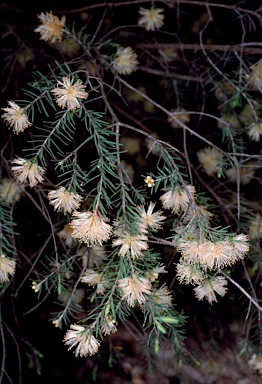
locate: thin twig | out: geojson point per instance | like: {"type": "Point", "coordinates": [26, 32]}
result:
{"type": "Point", "coordinates": [253, 301]}
{"type": "Point", "coordinates": [132, 2]}
{"type": "Point", "coordinates": [208, 47]}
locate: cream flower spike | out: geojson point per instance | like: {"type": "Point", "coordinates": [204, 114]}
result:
{"type": "Point", "coordinates": [125, 61]}
{"type": "Point", "coordinates": [81, 338]}
{"type": "Point", "coordinates": [208, 288]}
{"type": "Point", "coordinates": [149, 219]}
{"type": "Point", "coordinates": [68, 95]}
{"type": "Point", "coordinates": [133, 289]}
{"type": "Point", "coordinates": [7, 267]}
{"type": "Point", "coordinates": [10, 191]}
{"type": "Point", "coordinates": [131, 245]}
{"type": "Point", "coordinates": [254, 131]}
{"type": "Point", "coordinates": [16, 117]}
{"type": "Point", "coordinates": [64, 201]}
{"type": "Point", "coordinates": [27, 171]}
{"type": "Point", "coordinates": [210, 159]}
{"type": "Point", "coordinates": [90, 227]}
{"type": "Point", "coordinates": [51, 28]}
{"type": "Point", "coordinates": [178, 199]}
{"type": "Point", "coordinates": [151, 19]}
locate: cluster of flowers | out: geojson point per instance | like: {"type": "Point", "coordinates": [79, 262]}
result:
{"type": "Point", "coordinates": [250, 116]}
{"type": "Point", "coordinates": [67, 96]}
{"type": "Point", "coordinates": [91, 229]}
{"type": "Point", "coordinates": [134, 290]}
{"type": "Point", "coordinates": [199, 256]}
{"type": "Point", "coordinates": [51, 28]}
{"type": "Point", "coordinates": [69, 92]}
{"type": "Point", "coordinates": [211, 160]}
{"type": "Point", "coordinates": [214, 255]}
{"type": "Point", "coordinates": [125, 61]}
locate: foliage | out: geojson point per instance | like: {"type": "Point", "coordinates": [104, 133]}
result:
{"type": "Point", "coordinates": [139, 152]}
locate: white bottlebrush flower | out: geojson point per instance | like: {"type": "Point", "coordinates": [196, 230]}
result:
{"type": "Point", "coordinates": [108, 326]}
{"type": "Point", "coordinates": [255, 227]}
{"type": "Point", "coordinates": [254, 131]}
{"type": "Point", "coordinates": [151, 19]}
{"type": "Point", "coordinates": [180, 115]}
{"type": "Point", "coordinates": [131, 245]}
{"type": "Point", "coordinates": [149, 219]}
{"type": "Point", "coordinates": [178, 199]}
{"type": "Point", "coordinates": [51, 28]}
{"type": "Point", "coordinates": [214, 255]}
{"type": "Point", "coordinates": [188, 273]}
{"type": "Point", "coordinates": [7, 267]}
{"type": "Point", "coordinates": [133, 289]}
{"type": "Point", "coordinates": [120, 227]}
{"type": "Point", "coordinates": [68, 95]}
{"type": "Point", "coordinates": [125, 61]}
{"type": "Point", "coordinates": [240, 245]}
{"type": "Point", "coordinates": [90, 227]}
{"type": "Point", "coordinates": [210, 159]}
{"type": "Point", "coordinates": [64, 201]}
{"type": "Point", "coordinates": [208, 288]}
{"type": "Point", "coordinates": [255, 363]}
{"type": "Point", "coordinates": [66, 235]}
{"type": "Point", "coordinates": [161, 299]}
{"type": "Point", "coordinates": [27, 171]}
{"type": "Point", "coordinates": [93, 278]}
{"type": "Point", "coordinates": [16, 117]}
{"type": "Point", "coordinates": [218, 255]}
{"type": "Point", "coordinates": [80, 337]}
{"type": "Point", "coordinates": [246, 173]}
{"type": "Point", "coordinates": [193, 250]}
{"type": "Point", "coordinates": [10, 191]}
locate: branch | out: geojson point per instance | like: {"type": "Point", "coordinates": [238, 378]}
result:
{"type": "Point", "coordinates": [208, 47]}
{"type": "Point", "coordinates": [242, 290]}
{"type": "Point", "coordinates": [198, 3]}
